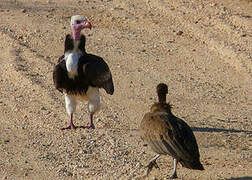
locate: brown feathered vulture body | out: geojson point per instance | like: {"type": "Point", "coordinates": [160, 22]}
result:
{"type": "Point", "coordinates": [167, 134]}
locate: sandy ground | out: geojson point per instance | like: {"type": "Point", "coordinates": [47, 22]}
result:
{"type": "Point", "coordinates": [202, 49]}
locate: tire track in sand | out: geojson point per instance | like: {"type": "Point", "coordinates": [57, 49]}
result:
{"type": "Point", "coordinates": [241, 61]}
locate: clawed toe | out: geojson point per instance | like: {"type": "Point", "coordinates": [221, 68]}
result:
{"type": "Point", "coordinates": [90, 126]}
{"type": "Point", "coordinates": [150, 167]}
{"type": "Point", "coordinates": [173, 176]}
{"type": "Point", "coordinates": [69, 128]}
{"type": "Point", "coordinates": [153, 164]}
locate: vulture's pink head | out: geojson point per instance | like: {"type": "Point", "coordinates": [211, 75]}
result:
{"type": "Point", "coordinates": [78, 23]}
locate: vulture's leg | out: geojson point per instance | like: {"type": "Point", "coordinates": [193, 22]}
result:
{"type": "Point", "coordinates": [70, 108]}
{"type": "Point", "coordinates": [152, 164]}
{"type": "Point", "coordinates": [91, 123]}
{"type": "Point", "coordinates": [174, 173]}
{"type": "Point", "coordinates": [93, 104]}
{"type": "Point", "coordinates": [71, 125]}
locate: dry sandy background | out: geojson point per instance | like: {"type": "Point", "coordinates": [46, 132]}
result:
{"type": "Point", "coordinates": [201, 49]}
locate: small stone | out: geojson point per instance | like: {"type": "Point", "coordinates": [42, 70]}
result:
{"type": "Point", "coordinates": [69, 173]}
{"type": "Point", "coordinates": [20, 37]}
{"type": "Point", "coordinates": [171, 41]}
{"type": "Point", "coordinates": [207, 163]}
{"type": "Point", "coordinates": [201, 6]}
{"type": "Point", "coordinates": [213, 4]}
{"type": "Point", "coordinates": [223, 9]}
{"type": "Point", "coordinates": [43, 108]}
{"type": "Point", "coordinates": [23, 10]}
{"type": "Point", "coordinates": [179, 33]}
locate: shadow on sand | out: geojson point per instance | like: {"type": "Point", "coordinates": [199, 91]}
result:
{"type": "Point", "coordinates": [242, 178]}
{"type": "Point", "coordinates": [208, 129]}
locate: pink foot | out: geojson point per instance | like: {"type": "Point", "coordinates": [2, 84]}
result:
{"type": "Point", "coordinates": [71, 126]}
{"type": "Point", "coordinates": [90, 126]}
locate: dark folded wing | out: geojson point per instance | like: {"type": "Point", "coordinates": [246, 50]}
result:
{"type": "Point", "coordinates": [61, 58]}
{"type": "Point", "coordinates": [185, 137]}
{"type": "Point", "coordinates": [97, 72]}
{"type": "Point", "coordinates": [60, 75]}
{"type": "Point", "coordinates": [167, 135]}
{"type": "Point", "coordinates": [187, 145]}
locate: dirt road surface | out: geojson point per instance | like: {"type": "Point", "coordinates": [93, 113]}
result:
{"type": "Point", "coordinates": [202, 49]}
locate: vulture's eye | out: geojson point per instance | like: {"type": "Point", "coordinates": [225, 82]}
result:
{"type": "Point", "coordinates": [78, 22]}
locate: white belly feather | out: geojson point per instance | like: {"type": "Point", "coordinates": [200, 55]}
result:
{"type": "Point", "coordinates": [72, 60]}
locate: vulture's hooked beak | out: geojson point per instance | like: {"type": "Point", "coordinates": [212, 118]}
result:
{"type": "Point", "coordinates": [87, 24]}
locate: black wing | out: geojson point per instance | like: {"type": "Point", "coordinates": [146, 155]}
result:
{"type": "Point", "coordinates": [62, 82]}
{"type": "Point", "coordinates": [59, 75]}
{"type": "Point", "coordinates": [61, 58]}
{"type": "Point", "coordinates": [97, 72]}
